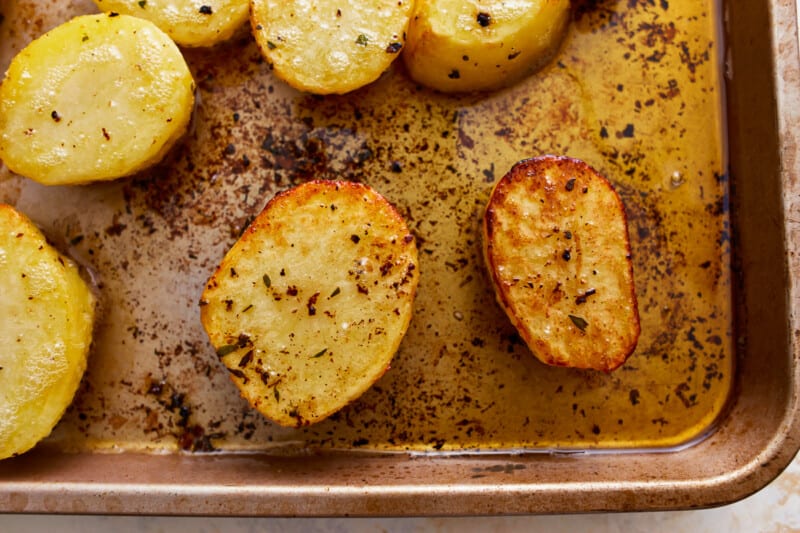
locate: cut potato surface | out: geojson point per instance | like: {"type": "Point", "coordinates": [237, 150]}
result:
{"type": "Point", "coordinates": [187, 22]}
{"type": "Point", "coordinates": [46, 320]}
{"type": "Point", "coordinates": [96, 98]}
{"type": "Point", "coordinates": [556, 247]}
{"type": "Point", "coordinates": [330, 47]}
{"type": "Point", "coordinates": [461, 46]}
{"type": "Point", "coordinates": [307, 309]}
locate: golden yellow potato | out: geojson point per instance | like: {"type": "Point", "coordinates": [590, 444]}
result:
{"type": "Point", "coordinates": [555, 241]}
{"type": "Point", "coordinates": [46, 321]}
{"type": "Point", "coordinates": [462, 46]}
{"type": "Point", "coordinates": [96, 98]}
{"type": "Point", "coordinates": [309, 306]}
{"type": "Point", "coordinates": [187, 22]}
{"type": "Point", "coordinates": [330, 47]}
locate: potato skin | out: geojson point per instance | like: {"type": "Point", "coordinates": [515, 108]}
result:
{"type": "Point", "coordinates": [556, 246]}
{"type": "Point", "coordinates": [307, 309]}
{"type": "Point", "coordinates": [46, 321]}
{"type": "Point", "coordinates": [330, 47]}
{"type": "Point", "coordinates": [464, 46]}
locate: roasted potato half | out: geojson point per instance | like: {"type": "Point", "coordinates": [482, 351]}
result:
{"type": "Point", "coordinates": [46, 321]}
{"type": "Point", "coordinates": [309, 306]}
{"type": "Point", "coordinates": [463, 46]}
{"type": "Point", "coordinates": [555, 241]}
{"type": "Point", "coordinates": [330, 47]}
{"type": "Point", "coordinates": [96, 98]}
{"type": "Point", "coordinates": [189, 23]}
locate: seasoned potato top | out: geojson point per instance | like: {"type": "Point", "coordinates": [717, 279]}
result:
{"type": "Point", "coordinates": [308, 307]}
{"type": "Point", "coordinates": [96, 98]}
{"type": "Point", "coordinates": [458, 46]}
{"type": "Point", "coordinates": [556, 245]}
{"type": "Point", "coordinates": [188, 22]}
{"type": "Point", "coordinates": [46, 319]}
{"type": "Point", "coordinates": [330, 47]}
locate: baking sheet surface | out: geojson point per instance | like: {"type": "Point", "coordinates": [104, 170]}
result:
{"type": "Point", "coordinates": [634, 91]}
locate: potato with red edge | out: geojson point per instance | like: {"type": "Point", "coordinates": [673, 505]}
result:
{"type": "Point", "coordinates": [308, 307]}
{"type": "Point", "coordinates": [330, 47]}
{"type": "Point", "coordinates": [555, 242]}
{"type": "Point", "coordinates": [46, 321]}
{"type": "Point", "coordinates": [464, 46]}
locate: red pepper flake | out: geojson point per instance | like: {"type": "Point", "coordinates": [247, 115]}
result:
{"type": "Point", "coordinates": [245, 360]}
{"type": "Point", "coordinates": [394, 48]}
{"type": "Point", "coordinates": [312, 304]}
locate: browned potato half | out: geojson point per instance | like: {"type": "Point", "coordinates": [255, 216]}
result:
{"type": "Point", "coordinates": [330, 47]}
{"type": "Point", "coordinates": [187, 22]}
{"type": "Point", "coordinates": [46, 320]}
{"type": "Point", "coordinates": [307, 309]}
{"type": "Point", "coordinates": [557, 250]}
{"type": "Point", "coordinates": [466, 45]}
{"type": "Point", "coordinates": [95, 98]}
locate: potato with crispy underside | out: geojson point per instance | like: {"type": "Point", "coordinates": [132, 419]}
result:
{"type": "Point", "coordinates": [555, 241]}
{"type": "Point", "coordinates": [330, 47]}
{"type": "Point", "coordinates": [96, 98]}
{"type": "Point", "coordinates": [189, 23]}
{"type": "Point", "coordinates": [463, 46]}
{"type": "Point", "coordinates": [46, 317]}
{"type": "Point", "coordinates": [309, 306]}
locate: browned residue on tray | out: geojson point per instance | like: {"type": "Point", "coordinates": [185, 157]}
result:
{"type": "Point", "coordinates": [634, 92]}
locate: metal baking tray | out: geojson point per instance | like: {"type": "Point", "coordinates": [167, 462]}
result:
{"type": "Point", "coordinates": [688, 109]}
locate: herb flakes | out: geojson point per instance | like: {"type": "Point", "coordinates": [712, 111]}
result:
{"type": "Point", "coordinates": [579, 322]}
{"type": "Point", "coordinates": [222, 351]}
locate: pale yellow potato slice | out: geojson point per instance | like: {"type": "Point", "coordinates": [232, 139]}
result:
{"type": "Point", "coordinates": [46, 317]}
{"type": "Point", "coordinates": [330, 47]}
{"type": "Point", "coordinates": [307, 309]}
{"type": "Point", "coordinates": [555, 241]}
{"type": "Point", "coordinates": [466, 45]}
{"type": "Point", "coordinates": [96, 98]}
{"type": "Point", "coordinates": [190, 23]}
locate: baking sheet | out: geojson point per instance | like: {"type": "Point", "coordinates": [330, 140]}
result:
{"type": "Point", "coordinates": [635, 91]}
